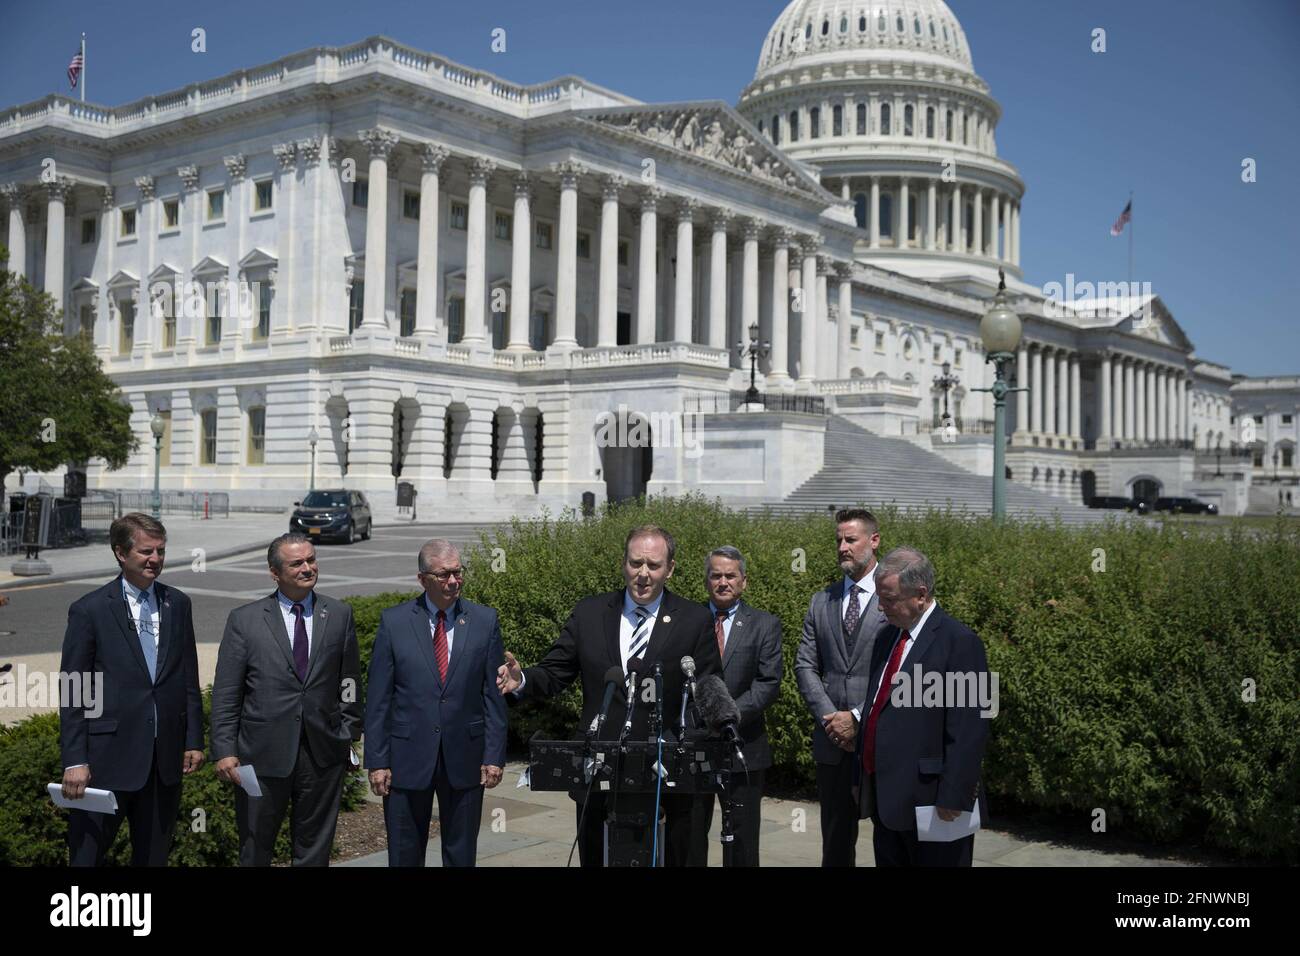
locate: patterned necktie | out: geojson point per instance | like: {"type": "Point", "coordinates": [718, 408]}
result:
{"type": "Point", "coordinates": [299, 642]}
{"type": "Point", "coordinates": [440, 645]}
{"type": "Point", "coordinates": [851, 615]}
{"type": "Point", "coordinates": [882, 695]}
{"type": "Point", "coordinates": [640, 634]}
{"type": "Point", "coordinates": [144, 630]}
{"type": "Point", "coordinates": [719, 633]}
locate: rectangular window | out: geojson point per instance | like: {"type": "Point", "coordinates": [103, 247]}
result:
{"type": "Point", "coordinates": [257, 436]}
{"type": "Point", "coordinates": [853, 335]}
{"type": "Point", "coordinates": [455, 319]}
{"type": "Point", "coordinates": [938, 353]}
{"type": "Point", "coordinates": [360, 192]}
{"type": "Point", "coordinates": [1259, 419]}
{"type": "Point", "coordinates": [815, 123]}
{"type": "Point", "coordinates": [1286, 419]}
{"type": "Point", "coordinates": [837, 121]}
{"type": "Point", "coordinates": [880, 341]}
{"type": "Point", "coordinates": [165, 454]}
{"type": "Point", "coordinates": [265, 295]}
{"type": "Point", "coordinates": [584, 245]}
{"type": "Point", "coordinates": [208, 437]}
{"type": "Point", "coordinates": [458, 214]}
{"type": "Point", "coordinates": [216, 205]}
{"type": "Point", "coordinates": [1259, 459]}
{"type": "Point", "coordinates": [956, 358]}
{"type": "Point", "coordinates": [539, 333]}
{"type": "Point", "coordinates": [128, 223]}
{"type": "Point", "coordinates": [212, 324]}
{"type": "Point", "coordinates": [622, 252]}
{"type": "Point", "coordinates": [126, 331]}
{"type": "Point", "coordinates": [1286, 457]}
{"type": "Point", "coordinates": [263, 195]}
{"type": "Point", "coordinates": [410, 204]}
{"type": "Point", "coordinates": [503, 226]}
{"type": "Point", "coordinates": [171, 218]}
{"type": "Point", "coordinates": [407, 311]}
{"type": "Point", "coordinates": [545, 233]}
{"type": "Point", "coordinates": [87, 231]}
{"type": "Point", "coordinates": [169, 327]}
{"type": "Point", "coordinates": [356, 302]}
{"type": "Point", "coordinates": [87, 314]}
{"type": "Point", "coordinates": [862, 119]}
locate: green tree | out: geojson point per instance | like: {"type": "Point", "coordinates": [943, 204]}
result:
{"type": "Point", "coordinates": [56, 403]}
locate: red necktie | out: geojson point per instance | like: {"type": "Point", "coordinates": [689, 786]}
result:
{"type": "Point", "coordinates": [882, 695]}
{"type": "Point", "coordinates": [440, 645]}
{"type": "Point", "coordinates": [719, 633]}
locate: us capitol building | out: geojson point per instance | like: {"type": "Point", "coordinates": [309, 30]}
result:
{"type": "Point", "coordinates": [511, 295]}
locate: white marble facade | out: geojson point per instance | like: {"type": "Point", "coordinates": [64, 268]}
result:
{"type": "Point", "coordinates": [379, 206]}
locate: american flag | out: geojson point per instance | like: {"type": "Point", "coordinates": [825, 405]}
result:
{"type": "Point", "coordinates": [74, 68]}
{"type": "Point", "coordinates": [1124, 219]}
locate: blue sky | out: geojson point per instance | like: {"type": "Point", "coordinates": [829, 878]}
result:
{"type": "Point", "coordinates": [1186, 90]}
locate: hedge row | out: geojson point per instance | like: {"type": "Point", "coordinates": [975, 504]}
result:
{"type": "Point", "coordinates": [33, 831]}
{"type": "Point", "coordinates": [1157, 678]}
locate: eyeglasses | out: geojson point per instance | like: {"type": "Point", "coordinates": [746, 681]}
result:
{"type": "Point", "coordinates": [458, 573]}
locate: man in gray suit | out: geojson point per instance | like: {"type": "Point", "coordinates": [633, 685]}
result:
{"type": "Point", "coordinates": [832, 668]}
{"type": "Point", "coordinates": [749, 643]}
{"type": "Point", "coordinates": [286, 701]}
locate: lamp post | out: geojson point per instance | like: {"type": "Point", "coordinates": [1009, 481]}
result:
{"type": "Point", "coordinates": [1000, 330]}
{"type": "Point", "coordinates": [946, 381]}
{"type": "Point", "coordinates": [313, 437]}
{"type": "Point", "coordinates": [1218, 458]}
{"type": "Point", "coordinates": [157, 426]}
{"type": "Point", "coordinates": [1275, 466]}
{"type": "Point", "coordinates": [753, 351]}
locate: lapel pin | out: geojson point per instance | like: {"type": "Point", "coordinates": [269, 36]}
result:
{"type": "Point", "coordinates": [461, 621]}
{"type": "Point", "coordinates": [667, 619]}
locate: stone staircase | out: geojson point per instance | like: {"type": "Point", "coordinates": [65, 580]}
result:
{"type": "Point", "coordinates": [861, 467]}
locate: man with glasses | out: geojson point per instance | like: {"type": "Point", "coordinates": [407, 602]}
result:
{"type": "Point", "coordinates": [435, 722]}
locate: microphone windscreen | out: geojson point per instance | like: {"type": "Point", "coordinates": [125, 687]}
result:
{"type": "Point", "coordinates": [614, 675]}
{"type": "Point", "coordinates": [715, 703]}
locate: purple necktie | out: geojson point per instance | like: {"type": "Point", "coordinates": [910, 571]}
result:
{"type": "Point", "coordinates": [299, 643]}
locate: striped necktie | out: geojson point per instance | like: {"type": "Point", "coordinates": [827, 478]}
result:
{"type": "Point", "coordinates": [640, 634]}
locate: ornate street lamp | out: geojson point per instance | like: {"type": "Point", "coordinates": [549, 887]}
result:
{"type": "Point", "coordinates": [946, 382]}
{"type": "Point", "coordinates": [157, 426]}
{"type": "Point", "coordinates": [753, 351]}
{"type": "Point", "coordinates": [313, 437]}
{"type": "Point", "coordinates": [1000, 331]}
{"type": "Point", "coordinates": [1218, 457]}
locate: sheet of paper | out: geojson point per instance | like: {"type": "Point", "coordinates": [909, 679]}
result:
{"type": "Point", "coordinates": [525, 779]}
{"type": "Point", "coordinates": [95, 801]}
{"type": "Point", "coordinates": [931, 828]}
{"type": "Point", "coordinates": [248, 780]}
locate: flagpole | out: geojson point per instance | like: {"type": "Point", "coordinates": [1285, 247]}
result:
{"type": "Point", "coordinates": [1130, 241]}
{"type": "Point", "coordinates": [83, 68]}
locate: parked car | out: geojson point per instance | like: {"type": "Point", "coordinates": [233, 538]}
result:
{"type": "Point", "coordinates": [1187, 506]}
{"type": "Point", "coordinates": [1119, 503]}
{"type": "Point", "coordinates": [335, 513]}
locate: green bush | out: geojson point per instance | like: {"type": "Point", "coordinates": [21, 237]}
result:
{"type": "Point", "coordinates": [1120, 689]}
{"type": "Point", "coordinates": [33, 831]}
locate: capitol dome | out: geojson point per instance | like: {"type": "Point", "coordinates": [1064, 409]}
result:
{"type": "Point", "coordinates": [815, 32]}
{"type": "Point", "coordinates": [881, 100]}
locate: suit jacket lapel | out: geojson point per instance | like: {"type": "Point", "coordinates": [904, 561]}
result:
{"type": "Point", "coordinates": [164, 623]}
{"type": "Point", "coordinates": [870, 612]}
{"type": "Point", "coordinates": [740, 625]}
{"type": "Point", "coordinates": [925, 640]}
{"type": "Point", "coordinates": [422, 633]}
{"type": "Point", "coordinates": [613, 621]}
{"type": "Point", "coordinates": [122, 615]}
{"type": "Point", "coordinates": [320, 620]}
{"type": "Point", "coordinates": [835, 623]}
{"type": "Point", "coordinates": [275, 627]}
{"type": "Point", "coordinates": [663, 627]}
{"type": "Point", "coordinates": [462, 623]}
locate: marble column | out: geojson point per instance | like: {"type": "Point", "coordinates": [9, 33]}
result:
{"type": "Point", "coordinates": [978, 224]}
{"type": "Point", "coordinates": [1130, 399]}
{"type": "Point", "coordinates": [380, 142]}
{"type": "Point", "coordinates": [779, 359]}
{"type": "Point", "coordinates": [902, 238]}
{"type": "Point", "coordinates": [649, 252]}
{"type": "Point", "coordinates": [844, 328]}
{"type": "Point", "coordinates": [931, 210]}
{"type": "Point", "coordinates": [607, 319]}
{"type": "Point", "coordinates": [521, 266]}
{"type": "Point", "coordinates": [148, 325]}
{"type": "Point", "coordinates": [683, 300]}
{"type": "Point", "coordinates": [58, 192]}
{"type": "Point", "coordinates": [957, 226]}
{"type": "Point", "coordinates": [566, 277]}
{"type": "Point", "coordinates": [426, 257]}
{"type": "Point", "coordinates": [476, 316]}
{"type": "Point", "coordinates": [995, 240]}
{"type": "Point", "coordinates": [716, 335]}
{"type": "Point", "coordinates": [15, 196]}
{"type": "Point", "coordinates": [1022, 381]}
{"type": "Point", "coordinates": [1104, 422]}
{"type": "Point", "coordinates": [1038, 392]}
{"type": "Point", "coordinates": [1076, 395]}
{"type": "Point", "coordinates": [1049, 394]}
{"type": "Point", "coordinates": [873, 217]}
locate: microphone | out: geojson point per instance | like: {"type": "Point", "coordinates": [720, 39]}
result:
{"type": "Point", "coordinates": [634, 667]}
{"type": "Point", "coordinates": [657, 719]}
{"type": "Point", "coordinates": [719, 711]}
{"type": "Point", "coordinates": [613, 677]}
{"type": "Point", "coordinates": [688, 668]}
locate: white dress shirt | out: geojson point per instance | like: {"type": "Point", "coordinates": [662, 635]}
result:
{"type": "Point", "coordinates": [448, 624]}
{"type": "Point", "coordinates": [627, 624]}
{"type": "Point", "coordinates": [132, 595]}
{"type": "Point", "coordinates": [286, 612]}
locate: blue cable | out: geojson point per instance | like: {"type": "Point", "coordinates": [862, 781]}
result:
{"type": "Point", "coordinates": [659, 785]}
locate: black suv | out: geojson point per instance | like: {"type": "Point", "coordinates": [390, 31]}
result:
{"type": "Point", "coordinates": [335, 513]}
{"type": "Point", "coordinates": [1119, 503]}
{"type": "Point", "coordinates": [1186, 506]}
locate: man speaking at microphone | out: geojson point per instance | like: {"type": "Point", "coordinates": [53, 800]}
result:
{"type": "Point", "coordinates": [641, 622]}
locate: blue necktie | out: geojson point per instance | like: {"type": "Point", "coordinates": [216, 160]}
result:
{"type": "Point", "coordinates": [145, 631]}
{"type": "Point", "coordinates": [640, 634]}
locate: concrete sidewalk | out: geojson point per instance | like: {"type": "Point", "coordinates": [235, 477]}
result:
{"type": "Point", "coordinates": [522, 827]}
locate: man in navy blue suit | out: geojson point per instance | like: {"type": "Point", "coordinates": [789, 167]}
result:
{"type": "Point", "coordinates": [435, 721]}
{"type": "Point", "coordinates": [917, 748]}
{"type": "Point", "coordinates": [147, 728]}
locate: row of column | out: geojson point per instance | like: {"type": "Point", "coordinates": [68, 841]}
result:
{"type": "Point", "coordinates": [652, 202]}
{"type": "Point", "coordinates": [57, 193]}
{"type": "Point", "coordinates": [969, 126]}
{"type": "Point", "coordinates": [942, 226]}
{"type": "Point", "coordinates": [1052, 407]}
{"type": "Point", "coordinates": [1143, 401]}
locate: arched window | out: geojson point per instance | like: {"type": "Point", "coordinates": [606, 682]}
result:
{"type": "Point", "coordinates": [844, 24]}
{"type": "Point", "coordinates": [880, 21]}
{"type": "Point", "coordinates": [776, 130]}
{"type": "Point", "coordinates": [862, 119]}
{"type": "Point", "coordinates": [760, 126]}
{"type": "Point", "coordinates": [964, 129]}
{"type": "Point", "coordinates": [782, 43]}
{"type": "Point", "coordinates": [862, 23]}
{"type": "Point", "coordinates": [794, 126]}
{"type": "Point", "coordinates": [945, 33]}
{"type": "Point", "coordinates": [860, 210]}
{"type": "Point", "coordinates": [898, 23]}
{"type": "Point", "coordinates": [907, 120]}
{"type": "Point", "coordinates": [911, 218]}
{"type": "Point", "coordinates": [826, 27]}
{"type": "Point", "coordinates": [886, 214]}
{"type": "Point", "coordinates": [815, 123]}
{"type": "Point", "coordinates": [807, 33]}
{"type": "Point", "coordinates": [886, 119]}
{"type": "Point", "coordinates": [932, 36]}
{"type": "Point", "coordinates": [837, 121]}
{"type": "Point", "coordinates": [949, 126]}
{"type": "Point", "coordinates": [916, 25]}
{"type": "Point", "coordinates": [929, 122]}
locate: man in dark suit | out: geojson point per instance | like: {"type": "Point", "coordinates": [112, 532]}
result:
{"type": "Point", "coordinates": [642, 621]}
{"type": "Point", "coordinates": [435, 721]}
{"type": "Point", "coordinates": [286, 702]}
{"type": "Point", "coordinates": [749, 641]}
{"type": "Point", "coordinates": [135, 635]}
{"type": "Point", "coordinates": [832, 668]}
{"type": "Point", "coordinates": [914, 751]}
